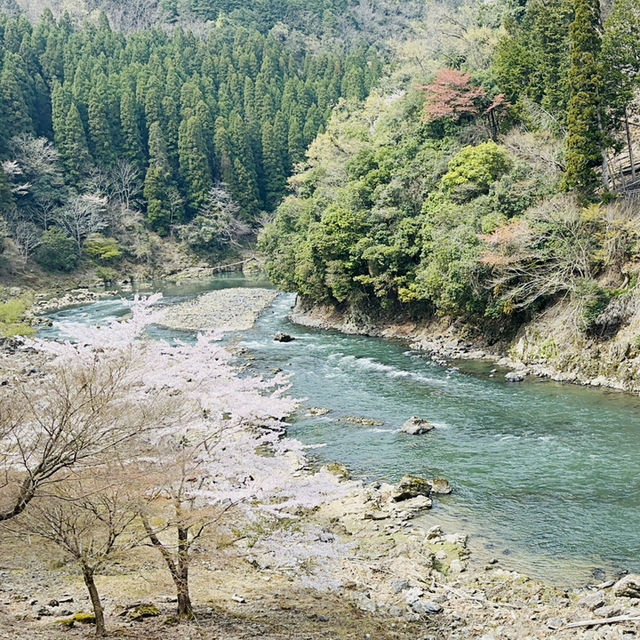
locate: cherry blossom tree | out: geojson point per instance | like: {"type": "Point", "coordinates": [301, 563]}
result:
{"type": "Point", "coordinates": [198, 436]}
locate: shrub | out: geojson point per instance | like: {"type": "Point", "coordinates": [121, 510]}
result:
{"type": "Point", "coordinates": [57, 251]}
{"type": "Point", "coordinates": [473, 169]}
{"type": "Point", "coordinates": [595, 300]}
{"type": "Point", "coordinates": [103, 250]}
{"type": "Point", "coordinates": [107, 275]}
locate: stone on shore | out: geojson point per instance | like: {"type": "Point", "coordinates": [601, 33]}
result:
{"type": "Point", "coordinates": [593, 601]}
{"type": "Point", "coordinates": [628, 587]}
{"type": "Point", "coordinates": [411, 487]}
{"type": "Point", "coordinates": [417, 426]}
{"type": "Point", "coordinates": [514, 376]}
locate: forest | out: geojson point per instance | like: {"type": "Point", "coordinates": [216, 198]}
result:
{"type": "Point", "coordinates": [106, 135]}
{"type": "Point", "coordinates": [499, 175]}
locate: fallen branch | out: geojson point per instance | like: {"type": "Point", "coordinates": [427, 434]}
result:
{"type": "Point", "coordinates": [600, 621]}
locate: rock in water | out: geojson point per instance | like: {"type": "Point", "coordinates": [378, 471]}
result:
{"type": "Point", "coordinates": [417, 426]}
{"type": "Point", "coordinates": [514, 376]}
{"type": "Point", "coordinates": [411, 487]}
{"type": "Point", "coordinates": [441, 486]}
{"type": "Point", "coordinates": [628, 587]}
{"type": "Point", "coordinates": [283, 337]}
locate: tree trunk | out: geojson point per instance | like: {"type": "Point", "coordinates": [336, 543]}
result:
{"type": "Point", "coordinates": [179, 570]}
{"type": "Point", "coordinates": [185, 608]}
{"type": "Point", "coordinates": [629, 146]}
{"type": "Point", "coordinates": [87, 573]}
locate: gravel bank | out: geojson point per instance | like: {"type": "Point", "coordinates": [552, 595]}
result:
{"type": "Point", "coordinates": [225, 310]}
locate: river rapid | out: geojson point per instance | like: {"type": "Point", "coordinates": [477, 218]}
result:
{"type": "Point", "coordinates": [546, 475]}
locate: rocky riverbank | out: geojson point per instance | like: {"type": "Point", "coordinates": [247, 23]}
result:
{"type": "Point", "coordinates": [384, 575]}
{"type": "Point", "coordinates": [234, 309]}
{"type": "Point", "coordinates": [367, 564]}
{"type": "Point", "coordinates": [549, 347]}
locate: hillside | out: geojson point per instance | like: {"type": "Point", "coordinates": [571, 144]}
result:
{"type": "Point", "coordinates": [479, 195]}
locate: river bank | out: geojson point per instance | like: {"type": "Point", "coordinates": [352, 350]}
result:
{"type": "Point", "coordinates": [382, 575]}
{"type": "Point", "coordinates": [360, 564]}
{"type": "Point", "coordinates": [549, 347]}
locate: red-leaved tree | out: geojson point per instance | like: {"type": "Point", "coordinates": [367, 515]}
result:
{"type": "Point", "coordinates": [451, 95]}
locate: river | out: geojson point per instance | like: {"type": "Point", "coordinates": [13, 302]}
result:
{"type": "Point", "coordinates": [546, 475]}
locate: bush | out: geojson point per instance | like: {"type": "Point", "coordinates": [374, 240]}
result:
{"type": "Point", "coordinates": [103, 250]}
{"type": "Point", "coordinates": [57, 251]}
{"type": "Point", "coordinates": [595, 300]}
{"type": "Point", "coordinates": [107, 275]}
{"type": "Point", "coordinates": [474, 169]}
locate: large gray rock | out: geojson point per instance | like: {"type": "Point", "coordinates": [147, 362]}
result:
{"type": "Point", "coordinates": [628, 587]}
{"type": "Point", "coordinates": [514, 376]}
{"type": "Point", "coordinates": [417, 426]}
{"type": "Point", "coordinates": [593, 601]}
{"type": "Point", "coordinates": [283, 337]}
{"type": "Point", "coordinates": [426, 607]}
{"type": "Point", "coordinates": [411, 487]}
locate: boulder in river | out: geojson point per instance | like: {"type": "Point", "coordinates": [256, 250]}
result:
{"type": "Point", "coordinates": [514, 376]}
{"type": "Point", "coordinates": [411, 487]}
{"type": "Point", "coordinates": [628, 587]}
{"type": "Point", "coordinates": [283, 337]}
{"type": "Point", "coordinates": [441, 486]}
{"type": "Point", "coordinates": [417, 426]}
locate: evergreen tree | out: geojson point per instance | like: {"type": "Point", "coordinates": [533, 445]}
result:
{"type": "Point", "coordinates": [585, 118]}
{"type": "Point", "coordinates": [132, 139]}
{"type": "Point", "coordinates": [194, 165]}
{"type": "Point", "coordinates": [74, 150]}
{"type": "Point", "coordinates": [14, 110]}
{"type": "Point", "coordinates": [273, 167]}
{"type": "Point", "coordinates": [162, 210]}
{"type": "Point", "coordinates": [100, 136]}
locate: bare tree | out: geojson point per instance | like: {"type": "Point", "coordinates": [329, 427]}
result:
{"type": "Point", "coordinates": [125, 183]}
{"type": "Point", "coordinates": [78, 407]}
{"type": "Point", "coordinates": [84, 215]}
{"type": "Point", "coordinates": [26, 237]}
{"type": "Point", "coordinates": [89, 516]}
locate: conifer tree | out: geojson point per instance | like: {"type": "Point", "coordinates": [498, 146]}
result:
{"type": "Point", "coordinates": [100, 135]}
{"type": "Point", "coordinates": [585, 118]}
{"type": "Point", "coordinates": [14, 110]}
{"type": "Point", "coordinates": [158, 184]}
{"type": "Point", "coordinates": [132, 140]}
{"type": "Point", "coordinates": [194, 165]}
{"type": "Point", "coordinates": [74, 150]}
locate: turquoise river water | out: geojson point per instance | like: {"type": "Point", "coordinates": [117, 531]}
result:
{"type": "Point", "coordinates": [546, 475]}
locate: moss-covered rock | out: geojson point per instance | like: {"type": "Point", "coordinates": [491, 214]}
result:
{"type": "Point", "coordinates": [143, 611]}
{"type": "Point", "coordinates": [411, 487]}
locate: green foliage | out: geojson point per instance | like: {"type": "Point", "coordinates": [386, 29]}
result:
{"type": "Point", "coordinates": [103, 250]}
{"type": "Point", "coordinates": [594, 300]}
{"type": "Point", "coordinates": [474, 169]}
{"type": "Point", "coordinates": [532, 61]}
{"type": "Point", "coordinates": [585, 116]}
{"type": "Point", "coordinates": [108, 275]}
{"type": "Point", "coordinates": [233, 103]}
{"type": "Point", "coordinates": [12, 318]}
{"type": "Point", "coordinates": [57, 251]}
{"type": "Point", "coordinates": [396, 225]}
